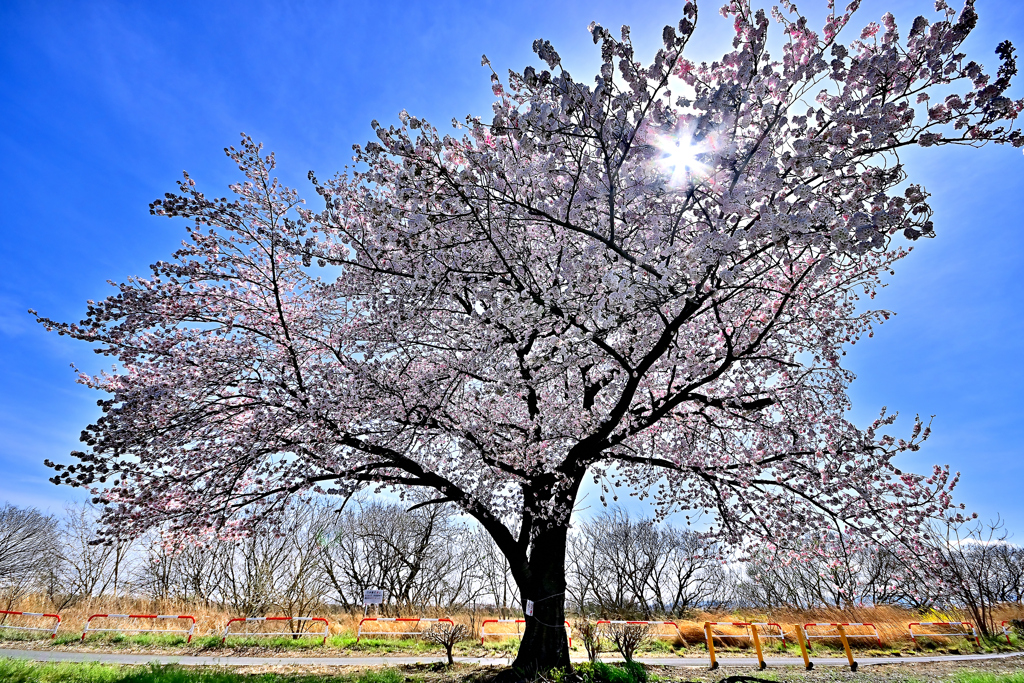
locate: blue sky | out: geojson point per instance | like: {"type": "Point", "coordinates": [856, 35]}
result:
{"type": "Point", "coordinates": [103, 104]}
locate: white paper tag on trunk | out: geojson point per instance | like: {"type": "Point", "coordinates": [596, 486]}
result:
{"type": "Point", "coordinates": [529, 608]}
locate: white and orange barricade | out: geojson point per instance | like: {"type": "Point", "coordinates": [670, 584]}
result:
{"type": "Point", "coordinates": [841, 629]}
{"type": "Point", "coordinates": [399, 622]}
{"type": "Point", "coordinates": [801, 640]}
{"type": "Point", "coordinates": [1006, 631]}
{"type": "Point", "coordinates": [955, 634]}
{"type": "Point", "coordinates": [135, 617]}
{"type": "Point", "coordinates": [257, 634]}
{"type": "Point", "coordinates": [518, 633]}
{"type": "Point", "coordinates": [52, 631]}
{"type": "Point", "coordinates": [765, 633]}
{"type": "Point", "coordinates": [653, 624]}
{"type": "Point", "coordinates": [752, 635]}
{"type": "Point", "coordinates": [840, 632]}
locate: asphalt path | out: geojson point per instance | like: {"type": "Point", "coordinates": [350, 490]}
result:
{"type": "Point", "coordinates": [189, 660]}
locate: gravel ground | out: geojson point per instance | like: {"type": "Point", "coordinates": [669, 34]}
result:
{"type": "Point", "coordinates": [883, 673]}
{"type": "Point", "coordinates": [880, 673]}
{"type": "Point", "coordinates": [464, 650]}
{"type": "Point", "coordinates": [665, 663]}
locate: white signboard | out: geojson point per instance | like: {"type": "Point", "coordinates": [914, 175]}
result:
{"type": "Point", "coordinates": [373, 597]}
{"type": "Point", "coordinates": [529, 608]}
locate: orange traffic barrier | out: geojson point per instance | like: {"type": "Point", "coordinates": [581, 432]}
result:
{"type": "Point", "coordinates": [844, 636]}
{"type": "Point", "coordinates": [56, 624]}
{"type": "Point", "coordinates": [227, 627]}
{"type": "Point", "coordinates": [182, 617]}
{"type": "Point", "coordinates": [518, 633]}
{"type": "Point", "coordinates": [973, 634]}
{"type": "Point", "coordinates": [753, 637]}
{"type": "Point", "coordinates": [360, 631]}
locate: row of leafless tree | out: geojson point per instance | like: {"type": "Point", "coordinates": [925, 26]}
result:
{"type": "Point", "coordinates": [429, 558]}
{"type": "Point", "coordinates": [432, 559]}
{"type": "Point", "coordinates": [621, 566]}
{"type": "Point", "coordinates": [41, 553]}
{"type": "Point", "coordinates": [972, 569]}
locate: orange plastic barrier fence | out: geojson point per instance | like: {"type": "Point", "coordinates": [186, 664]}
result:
{"type": "Point", "coordinates": [844, 636]}
{"type": "Point", "coordinates": [360, 632]}
{"type": "Point", "coordinates": [973, 634]}
{"type": "Point", "coordinates": [56, 625]}
{"type": "Point", "coordinates": [518, 633]}
{"type": "Point", "coordinates": [183, 617]}
{"type": "Point", "coordinates": [673, 624]}
{"type": "Point", "coordinates": [227, 627]}
{"type": "Point", "coordinates": [876, 635]}
{"type": "Point", "coordinates": [801, 640]}
{"type": "Point", "coordinates": [720, 636]}
{"type": "Point", "coordinates": [765, 634]}
{"type": "Point", "coordinates": [754, 637]}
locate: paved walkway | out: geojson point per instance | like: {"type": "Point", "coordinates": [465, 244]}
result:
{"type": "Point", "coordinates": [189, 660]}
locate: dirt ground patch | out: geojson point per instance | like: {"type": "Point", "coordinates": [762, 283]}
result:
{"type": "Point", "coordinates": [882, 673]}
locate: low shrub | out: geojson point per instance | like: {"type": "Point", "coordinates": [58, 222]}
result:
{"type": "Point", "coordinates": [1017, 626]}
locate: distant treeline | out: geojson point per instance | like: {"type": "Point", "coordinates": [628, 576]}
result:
{"type": "Point", "coordinates": [433, 560]}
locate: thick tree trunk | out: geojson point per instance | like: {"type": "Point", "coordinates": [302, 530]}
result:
{"type": "Point", "coordinates": [545, 644]}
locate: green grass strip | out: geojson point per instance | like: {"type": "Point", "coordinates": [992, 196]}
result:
{"type": "Point", "coordinates": [985, 677]}
{"type": "Point", "coordinates": [23, 671]}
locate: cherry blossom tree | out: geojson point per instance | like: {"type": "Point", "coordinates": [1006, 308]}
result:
{"type": "Point", "coordinates": [647, 281]}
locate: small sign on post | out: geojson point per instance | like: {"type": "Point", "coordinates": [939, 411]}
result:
{"type": "Point", "coordinates": [529, 608]}
{"type": "Point", "coordinates": [373, 597]}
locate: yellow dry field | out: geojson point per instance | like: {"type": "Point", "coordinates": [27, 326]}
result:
{"type": "Point", "coordinates": [891, 622]}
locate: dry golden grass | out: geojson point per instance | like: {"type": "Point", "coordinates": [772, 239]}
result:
{"type": "Point", "coordinates": [891, 622]}
{"type": "Point", "coordinates": [210, 620]}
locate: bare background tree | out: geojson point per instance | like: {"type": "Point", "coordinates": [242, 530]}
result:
{"type": "Point", "coordinates": [432, 561]}
{"type": "Point", "coordinates": [979, 570]}
{"type": "Point", "coordinates": [418, 558]}
{"type": "Point", "coordinates": [633, 568]}
{"type": "Point", "coordinates": [28, 546]}
{"type": "Point", "coordinates": [82, 567]}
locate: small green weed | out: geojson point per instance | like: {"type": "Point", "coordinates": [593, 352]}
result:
{"type": "Point", "coordinates": [305, 642]}
{"type": "Point", "coordinates": [660, 645]}
{"type": "Point", "coordinates": [129, 639]}
{"type": "Point", "coordinates": [381, 644]}
{"type": "Point", "coordinates": [599, 672]}
{"type": "Point", "coordinates": [382, 676]}
{"type": "Point", "coordinates": [502, 645]}
{"type": "Point", "coordinates": [984, 677]}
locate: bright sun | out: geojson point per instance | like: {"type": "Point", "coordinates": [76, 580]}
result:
{"type": "Point", "coordinates": [679, 157]}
